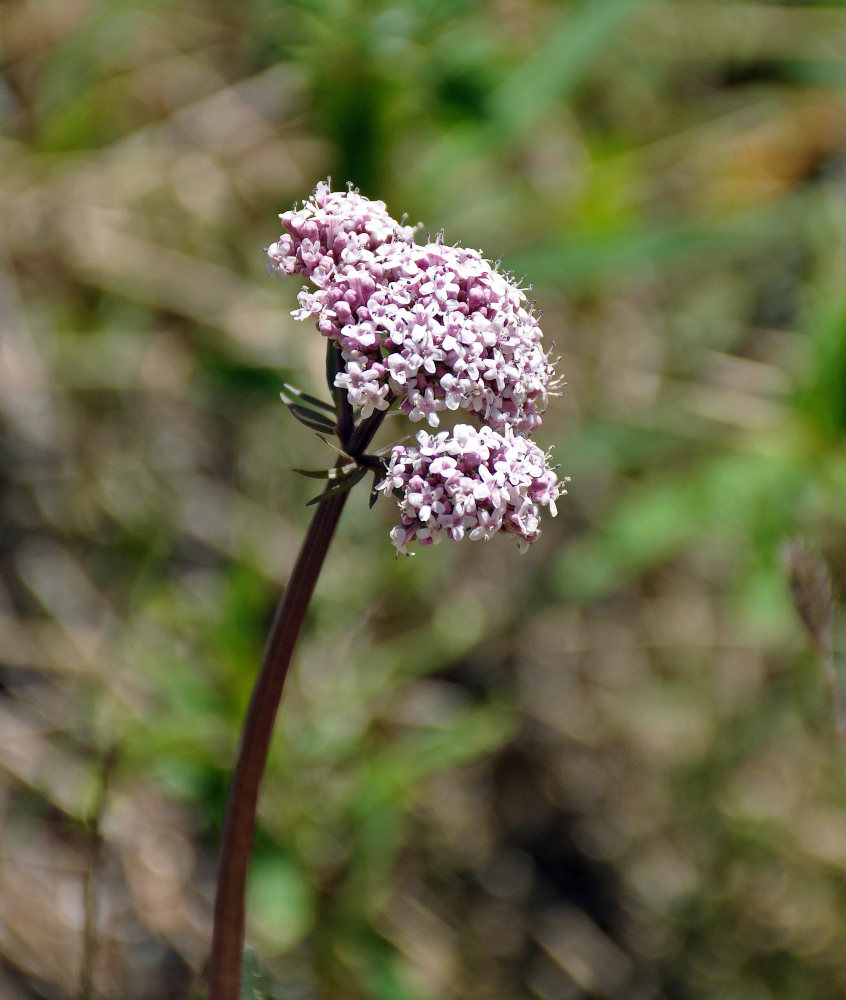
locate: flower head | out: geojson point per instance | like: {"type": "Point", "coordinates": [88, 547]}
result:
{"type": "Point", "coordinates": [438, 328]}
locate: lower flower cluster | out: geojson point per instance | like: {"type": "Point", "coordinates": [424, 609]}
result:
{"type": "Point", "coordinates": [473, 482]}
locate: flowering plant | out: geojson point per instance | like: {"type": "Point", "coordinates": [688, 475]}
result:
{"type": "Point", "coordinates": [433, 329]}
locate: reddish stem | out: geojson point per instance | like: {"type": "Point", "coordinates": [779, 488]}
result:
{"type": "Point", "coordinates": [240, 824]}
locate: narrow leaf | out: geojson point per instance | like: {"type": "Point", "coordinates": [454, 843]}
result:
{"type": "Point", "coordinates": [333, 473]}
{"type": "Point", "coordinates": [306, 398]}
{"type": "Point", "coordinates": [378, 478]}
{"type": "Point", "coordinates": [335, 448]}
{"type": "Point", "coordinates": [311, 418]}
{"type": "Point", "coordinates": [346, 484]}
{"type": "Point", "coordinates": [333, 366]}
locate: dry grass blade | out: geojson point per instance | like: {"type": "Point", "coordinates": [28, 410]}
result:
{"type": "Point", "coordinates": [811, 588]}
{"type": "Point", "coordinates": [812, 592]}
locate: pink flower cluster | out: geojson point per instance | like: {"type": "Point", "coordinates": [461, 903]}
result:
{"type": "Point", "coordinates": [435, 326]}
{"type": "Point", "coordinates": [474, 481]}
{"type": "Point", "coordinates": [438, 328]}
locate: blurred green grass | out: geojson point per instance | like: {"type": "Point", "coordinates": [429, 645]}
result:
{"type": "Point", "coordinates": [602, 770]}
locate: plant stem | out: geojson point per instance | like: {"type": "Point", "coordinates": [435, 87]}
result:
{"type": "Point", "coordinates": [239, 827]}
{"type": "Point", "coordinates": [240, 823]}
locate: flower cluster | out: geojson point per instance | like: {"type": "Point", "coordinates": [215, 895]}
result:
{"type": "Point", "coordinates": [437, 328]}
{"type": "Point", "coordinates": [473, 482]}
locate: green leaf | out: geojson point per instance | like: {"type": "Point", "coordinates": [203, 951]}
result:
{"type": "Point", "coordinates": [313, 400]}
{"type": "Point", "coordinates": [336, 472]}
{"type": "Point", "coordinates": [378, 477]}
{"type": "Point", "coordinates": [333, 366]}
{"type": "Point", "coordinates": [346, 484]}
{"type": "Point", "coordinates": [311, 418]}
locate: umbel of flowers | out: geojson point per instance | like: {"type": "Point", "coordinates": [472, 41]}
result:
{"type": "Point", "coordinates": [434, 328]}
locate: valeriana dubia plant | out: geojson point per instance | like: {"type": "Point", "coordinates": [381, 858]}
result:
{"type": "Point", "coordinates": [426, 329]}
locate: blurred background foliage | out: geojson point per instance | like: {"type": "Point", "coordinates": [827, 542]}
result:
{"type": "Point", "coordinates": [603, 770]}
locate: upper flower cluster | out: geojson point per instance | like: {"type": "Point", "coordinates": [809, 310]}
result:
{"type": "Point", "coordinates": [437, 327]}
